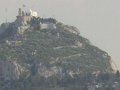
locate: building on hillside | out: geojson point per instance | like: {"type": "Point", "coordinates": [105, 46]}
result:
{"type": "Point", "coordinates": [33, 13]}
{"type": "Point", "coordinates": [30, 17]}
{"type": "Point", "coordinates": [47, 25]}
{"type": "Point", "coordinates": [24, 17]}
{"type": "Point", "coordinates": [43, 23]}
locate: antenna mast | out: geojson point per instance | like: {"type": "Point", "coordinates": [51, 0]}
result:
{"type": "Point", "coordinates": [6, 14]}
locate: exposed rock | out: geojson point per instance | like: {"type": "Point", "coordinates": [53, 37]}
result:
{"type": "Point", "coordinates": [114, 66]}
{"type": "Point", "coordinates": [10, 70]}
{"type": "Point", "coordinates": [46, 71]}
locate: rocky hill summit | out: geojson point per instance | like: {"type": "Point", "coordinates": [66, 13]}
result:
{"type": "Point", "coordinates": [43, 47]}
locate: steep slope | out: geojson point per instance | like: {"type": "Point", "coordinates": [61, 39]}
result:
{"type": "Point", "coordinates": [50, 52]}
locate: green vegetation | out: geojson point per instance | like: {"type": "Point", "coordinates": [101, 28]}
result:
{"type": "Point", "coordinates": [86, 81]}
{"type": "Point", "coordinates": [79, 65]}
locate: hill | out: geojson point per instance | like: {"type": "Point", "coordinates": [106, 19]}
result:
{"type": "Point", "coordinates": [45, 48]}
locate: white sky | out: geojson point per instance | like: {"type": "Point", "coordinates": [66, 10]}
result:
{"type": "Point", "coordinates": [98, 20]}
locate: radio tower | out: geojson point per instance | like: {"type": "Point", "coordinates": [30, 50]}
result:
{"type": "Point", "coordinates": [6, 15]}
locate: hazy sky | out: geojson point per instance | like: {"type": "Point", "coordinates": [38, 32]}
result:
{"type": "Point", "coordinates": [98, 20]}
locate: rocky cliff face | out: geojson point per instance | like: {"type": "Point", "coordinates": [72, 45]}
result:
{"type": "Point", "coordinates": [10, 70]}
{"type": "Point", "coordinates": [49, 53]}
{"type": "Point", "coordinates": [113, 65]}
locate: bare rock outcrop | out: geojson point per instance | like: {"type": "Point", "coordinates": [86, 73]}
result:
{"type": "Point", "coordinates": [10, 70]}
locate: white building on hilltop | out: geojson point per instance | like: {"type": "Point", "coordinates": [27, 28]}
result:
{"type": "Point", "coordinates": [47, 25]}
{"type": "Point", "coordinates": [24, 16]}
{"type": "Point", "coordinates": [33, 13]}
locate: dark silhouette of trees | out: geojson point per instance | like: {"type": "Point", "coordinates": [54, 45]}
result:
{"type": "Point", "coordinates": [117, 76]}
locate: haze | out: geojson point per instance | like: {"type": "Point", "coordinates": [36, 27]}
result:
{"type": "Point", "coordinates": [98, 20]}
